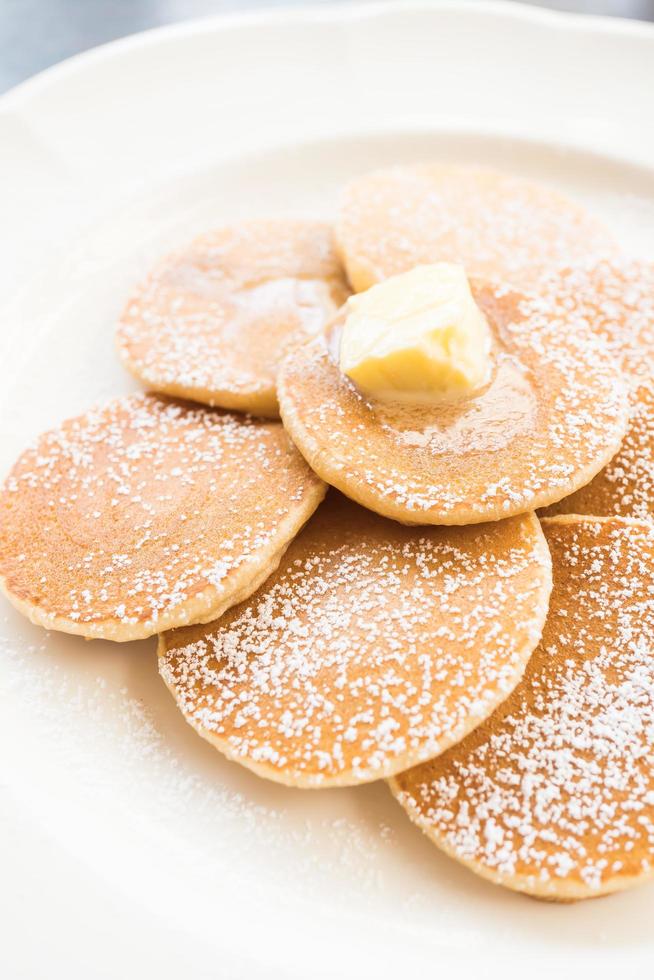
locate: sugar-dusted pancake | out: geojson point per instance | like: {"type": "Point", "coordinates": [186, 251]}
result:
{"type": "Point", "coordinates": [553, 795]}
{"type": "Point", "coordinates": [552, 416]}
{"type": "Point", "coordinates": [617, 301]}
{"type": "Point", "coordinates": [497, 226]}
{"type": "Point", "coordinates": [212, 322]}
{"type": "Point", "coordinates": [147, 514]}
{"type": "Point", "coordinates": [372, 646]}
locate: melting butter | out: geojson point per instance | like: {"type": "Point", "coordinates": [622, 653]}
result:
{"type": "Point", "coordinates": [417, 338]}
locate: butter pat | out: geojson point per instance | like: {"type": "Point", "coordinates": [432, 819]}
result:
{"type": "Point", "coordinates": [417, 338]}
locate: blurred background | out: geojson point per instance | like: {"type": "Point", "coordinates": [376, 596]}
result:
{"type": "Point", "coordinates": [37, 33]}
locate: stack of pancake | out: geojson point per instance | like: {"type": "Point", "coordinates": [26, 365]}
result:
{"type": "Point", "coordinates": [469, 611]}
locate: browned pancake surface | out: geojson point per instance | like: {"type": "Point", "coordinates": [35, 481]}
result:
{"type": "Point", "coordinates": [552, 416]}
{"type": "Point", "coordinates": [497, 226]}
{"type": "Point", "coordinates": [554, 793]}
{"type": "Point", "coordinates": [212, 322]}
{"type": "Point", "coordinates": [617, 301]}
{"type": "Point", "coordinates": [372, 645]}
{"type": "Point", "coordinates": [148, 513]}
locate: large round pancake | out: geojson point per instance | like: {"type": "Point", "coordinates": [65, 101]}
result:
{"type": "Point", "coordinates": [373, 645]}
{"type": "Point", "coordinates": [497, 226]}
{"type": "Point", "coordinates": [552, 416]}
{"type": "Point", "coordinates": [213, 321]}
{"type": "Point", "coordinates": [617, 301]}
{"type": "Point", "coordinates": [553, 795]}
{"type": "Point", "coordinates": [146, 514]}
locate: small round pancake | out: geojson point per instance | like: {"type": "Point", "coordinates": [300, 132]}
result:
{"type": "Point", "coordinates": [553, 795]}
{"type": "Point", "coordinates": [146, 514]}
{"type": "Point", "coordinates": [497, 226]}
{"type": "Point", "coordinates": [372, 646]}
{"type": "Point", "coordinates": [617, 301]}
{"type": "Point", "coordinates": [551, 417]}
{"type": "Point", "coordinates": [212, 322]}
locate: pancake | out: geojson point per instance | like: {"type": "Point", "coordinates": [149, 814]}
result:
{"type": "Point", "coordinates": [372, 646]}
{"type": "Point", "coordinates": [497, 226]}
{"type": "Point", "coordinates": [146, 514]}
{"type": "Point", "coordinates": [553, 795]}
{"type": "Point", "coordinates": [551, 417]}
{"type": "Point", "coordinates": [617, 300]}
{"type": "Point", "coordinates": [212, 322]}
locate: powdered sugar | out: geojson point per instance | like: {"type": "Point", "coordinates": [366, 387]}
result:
{"type": "Point", "coordinates": [496, 225]}
{"type": "Point", "coordinates": [357, 658]}
{"type": "Point", "coordinates": [213, 321]}
{"type": "Point", "coordinates": [136, 509]}
{"type": "Point", "coordinates": [555, 410]}
{"type": "Point", "coordinates": [616, 300]}
{"type": "Point", "coordinates": [558, 786]}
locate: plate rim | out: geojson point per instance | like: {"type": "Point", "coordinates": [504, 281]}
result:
{"type": "Point", "coordinates": [359, 10]}
{"type": "Point", "coordinates": [497, 10]}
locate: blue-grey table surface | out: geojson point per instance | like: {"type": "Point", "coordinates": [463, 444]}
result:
{"type": "Point", "coordinates": [35, 34]}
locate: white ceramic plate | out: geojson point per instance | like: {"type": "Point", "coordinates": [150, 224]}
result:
{"type": "Point", "coordinates": [128, 846]}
